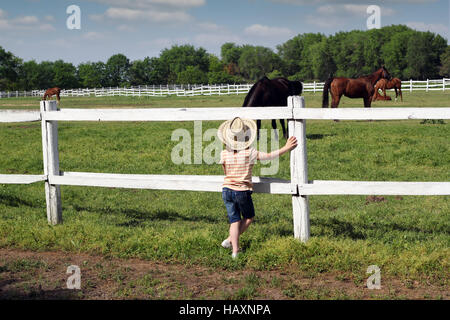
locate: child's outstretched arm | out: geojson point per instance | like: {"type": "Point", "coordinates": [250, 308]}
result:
{"type": "Point", "coordinates": [291, 144]}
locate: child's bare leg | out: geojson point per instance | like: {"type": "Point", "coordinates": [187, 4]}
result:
{"type": "Point", "coordinates": [238, 228]}
{"type": "Point", "coordinates": [234, 235]}
{"type": "Point", "coordinates": [244, 225]}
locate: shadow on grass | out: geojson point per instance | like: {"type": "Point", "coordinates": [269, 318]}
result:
{"type": "Point", "coordinates": [138, 217]}
{"type": "Point", "coordinates": [38, 294]}
{"type": "Point", "coordinates": [339, 228]}
{"type": "Point", "coordinates": [318, 136]}
{"type": "Point", "coordinates": [13, 201]}
{"type": "Point", "coordinates": [350, 230]}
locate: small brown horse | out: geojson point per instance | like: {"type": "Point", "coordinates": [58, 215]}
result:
{"type": "Point", "coordinates": [51, 92]}
{"type": "Point", "coordinates": [362, 87]}
{"type": "Point", "coordinates": [383, 84]}
{"type": "Point", "coordinates": [378, 97]}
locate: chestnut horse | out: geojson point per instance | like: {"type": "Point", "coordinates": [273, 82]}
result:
{"type": "Point", "coordinates": [274, 92]}
{"type": "Point", "coordinates": [380, 97]}
{"type": "Point", "coordinates": [362, 87]}
{"type": "Point", "coordinates": [51, 92]}
{"type": "Point", "coordinates": [383, 84]}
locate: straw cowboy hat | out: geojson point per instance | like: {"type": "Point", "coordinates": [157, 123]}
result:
{"type": "Point", "coordinates": [237, 134]}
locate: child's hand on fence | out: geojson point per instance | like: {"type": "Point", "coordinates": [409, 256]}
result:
{"type": "Point", "coordinates": [291, 143]}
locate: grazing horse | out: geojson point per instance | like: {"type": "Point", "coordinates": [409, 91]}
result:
{"type": "Point", "coordinates": [383, 84]}
{"type": "Point", "coordinates": [51, 92]}
{"type": "Point", "coordinates": [273, 92]}
{"type": "Point", "coordinates": [362, 87]}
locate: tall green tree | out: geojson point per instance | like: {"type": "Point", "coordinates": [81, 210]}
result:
{"type": "Point", "coordinates": [92, 74]}
{"type": "Point", "coordinates": [10, 69]}
{"type": "Point", "coordinates": [257, 61]}
{"type": "Point", "coordinates": [445, 63]}
{"type": "Point", "coordinates": [65, 75]}
{"type": "Point", "coordinates": [149, 71]}
{"type": "Point", "coordinates": [192, 75]}
{"type": "Point", "coordinates": [37, 76]}
{"type": "Point", "coordinates": [178, 58]}
{"type": "Point", "coordinates": [217, 71]}
{"type": "Point", "coordinates": [423, 55]}
{"type": "Point", "coordinates": [117, 69]}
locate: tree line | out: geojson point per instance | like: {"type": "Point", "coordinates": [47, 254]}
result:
{"type": "Point", "coordinates": [406, 53]}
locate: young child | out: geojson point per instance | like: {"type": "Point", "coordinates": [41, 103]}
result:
{"type": "Point", "coordinates": [237, 160]}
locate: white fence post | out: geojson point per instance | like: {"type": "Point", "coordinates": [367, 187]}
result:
{"type": "Point", "coordinates": [410, 85]}
{"type": "Point", "coordinates": [299, 172]}
{"type": "Point", "coordinates": [428, 84]}
{"type": "Point", "coordinates": [51, 164]}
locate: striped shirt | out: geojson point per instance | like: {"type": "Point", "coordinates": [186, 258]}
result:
{"type": "Point", "coordinates": [238, 168]}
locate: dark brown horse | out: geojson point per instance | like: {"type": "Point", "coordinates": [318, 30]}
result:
{"type": "Point", "coordinates": [51, 92]}
{"type": "Point", "coordinates": [271, 93]}
{"type": "Point", "coordinates": [383, 85]}
{"type": "Point", "coordinates": [362, 87]}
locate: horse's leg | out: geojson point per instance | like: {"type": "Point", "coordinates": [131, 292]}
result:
{"type": "Point", "coordinates": [258, 125]}
{"type": "Point", "coordinates": [274, 127]}
{"type": "Point", "coordinates": [285, 133]}
{"type": "Point", "coordinates": [367, 102]}
{"type": "Point", "coordinates": [335, 102]}
{"type": "Point", "coordinates": [400, 92]}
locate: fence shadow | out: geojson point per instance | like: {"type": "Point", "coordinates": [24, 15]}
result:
{"type": "Point", "coordinates": [319, 136]}
{"type": "Point", "coordinates": [339, 228]}
{"type": "Point", "coordinates": [38, 294]}
{"type": "Point", "coordinates": [350, 230]}
{"type": "Point", "coordinates": [14, 201]}
{"type": "Point", "coordinates": [138, 217]}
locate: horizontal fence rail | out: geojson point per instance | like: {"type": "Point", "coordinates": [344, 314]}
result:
{"type": "Point", "coordinates": [299, 187]}
{"type": "Point", "coordinates": [264, 113]}
{"type": "Point", "coordinates": [205, 90]}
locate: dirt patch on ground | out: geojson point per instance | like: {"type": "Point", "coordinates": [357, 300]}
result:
{"type": "Point", "coordinates": [43, 275]}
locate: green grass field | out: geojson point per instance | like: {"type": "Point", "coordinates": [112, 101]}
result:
{"type": "Point", "coordinates": [407, 237]}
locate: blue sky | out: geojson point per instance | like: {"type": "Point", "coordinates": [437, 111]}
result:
{"type": "Point", "coordinates": [36, 29]}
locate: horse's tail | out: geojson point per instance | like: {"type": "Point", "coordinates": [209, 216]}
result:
{"type": "Point", "coordinates": [326, 88]}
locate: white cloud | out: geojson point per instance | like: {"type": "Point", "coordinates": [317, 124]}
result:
{"type": "Point", "coordinates": [152, 15]}
{"type": "Point", "coordinates": [46, 27]}
{"type": "Point", "coordinates": [211, 39]}
{"type": "Point", "coordinates": [433, 27]}
{"type": "Point", "coordinates": [92, 35]}
{"type": "Point", "coordinates": [266, 31]}
{"type": "Point", "coordinates": [209, 26]}
{"type": "Point", "coordinates": [27, 23]}
{"type": "Point", "coordinates": [360, 2]}
{"type": "Point", "coordinates": [126, 28]}
{"type": "Point", "coordinates": [148, 4]}
{"type": "Point", "coordinates": [26, 20]}
{"type": "Point", "coordinates": [337, 15]}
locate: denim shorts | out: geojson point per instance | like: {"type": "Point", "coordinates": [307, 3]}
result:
{"type": "Point", "coordinates": [237, 203]}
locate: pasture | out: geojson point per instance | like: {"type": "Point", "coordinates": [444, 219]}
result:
{"type": "Point", "coordinates": [408, 237]}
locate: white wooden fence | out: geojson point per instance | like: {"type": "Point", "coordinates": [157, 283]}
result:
{"type": "Point", "coordinates": [298, 186]}
{"type": "Point", "coordinates": [206, 90]}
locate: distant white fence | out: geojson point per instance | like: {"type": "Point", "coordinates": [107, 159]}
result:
{"type": "Point", "coordinates": [206, 90]}
{"type": "Point", "coordinates": [298, 186]}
